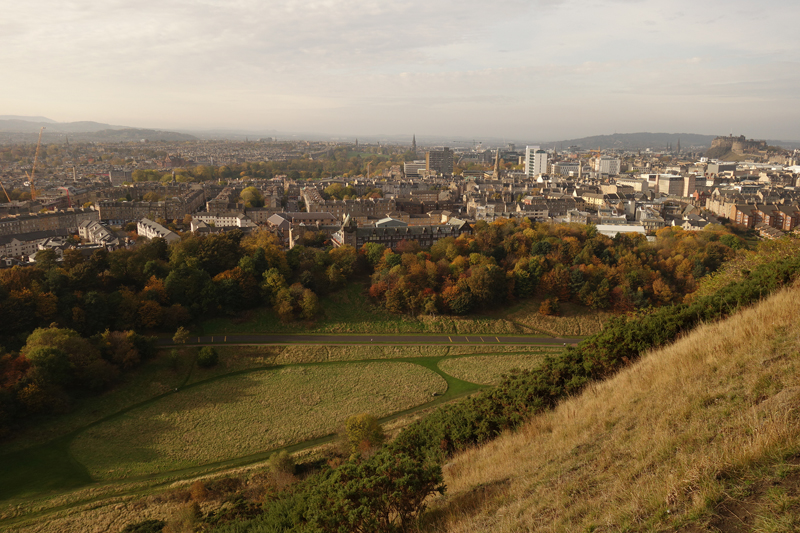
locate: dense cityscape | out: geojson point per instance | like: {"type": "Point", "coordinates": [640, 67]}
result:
{"type": "Point", "coordinates": [109, 195]}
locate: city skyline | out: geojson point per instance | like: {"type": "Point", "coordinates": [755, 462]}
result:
{"type": "Point", "coordinates": [538, 70]}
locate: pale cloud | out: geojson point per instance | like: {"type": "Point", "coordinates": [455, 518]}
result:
{"type": "Point", "coordinates": [542, 69]}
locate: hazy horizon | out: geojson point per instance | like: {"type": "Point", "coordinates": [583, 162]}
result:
{"type": "Point", "coordinates": [547, 69]}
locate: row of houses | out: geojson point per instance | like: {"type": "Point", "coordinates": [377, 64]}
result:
{"type": "Point", "coordinates": [784, 217]}
{"type": "Point", "coordinates": [67, 220]}
{"type": "Point", "coordinates": [390, 232]}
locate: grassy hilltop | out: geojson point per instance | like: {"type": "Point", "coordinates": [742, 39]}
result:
{"type": "Point", "coordinates": [702, 435]}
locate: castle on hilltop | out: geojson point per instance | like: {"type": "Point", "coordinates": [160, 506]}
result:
{"type": "Point", "coordinates": [739, 144]}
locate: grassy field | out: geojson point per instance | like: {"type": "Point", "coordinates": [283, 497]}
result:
{"type": "Point", "coordinates": [575, 320]}
{"type": "Point", "coordinates": [702, 435]}
{"type": "Point", "coordinates": [488, 369]}
{"type": "Point", "coordinates": [142, 437]}
{"type": "Point", "coordinates": [350, 311]}
{"type": "Point", "coordinates": [248, 413]}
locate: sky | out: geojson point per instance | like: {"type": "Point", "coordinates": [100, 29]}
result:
{"type": "Point", "coordinates": [520, 69]}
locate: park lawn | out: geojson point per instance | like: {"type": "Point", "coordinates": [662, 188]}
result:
{"type": "Point", "coordinates": [249, 413]}
{"type": "Point", "coordinates": [350, 311]}
{"type": "Point", "coordinates": [489, 369]}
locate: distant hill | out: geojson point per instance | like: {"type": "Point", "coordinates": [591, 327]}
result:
{"type": "Point", "coordinates": [26, 126]}
{"type": "Point", "coordinates": [27, 119]}
{"type": "Point", "coordinates": [132, 134]}
{"type": "Point", "coordinates": [83, 131]}
{"type": "Point", "coordinates": [637, 141]}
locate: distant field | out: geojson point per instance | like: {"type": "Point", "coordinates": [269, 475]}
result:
{"type": "Point", "coordinates": [249, 413]}
{"type": "Point", "coordinates": [488, 369]}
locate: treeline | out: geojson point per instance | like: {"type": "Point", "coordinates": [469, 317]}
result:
{"type": "Point", "coordinates": [511, 260]}
{"type": "Point", "coordinates": [156, 287]}
{"type": "Point", "coordinates": [357, 495]}
{"type": "Point", "coordinates": [57, 365]}
{"type": "Point", "coordinates": [340, 162]}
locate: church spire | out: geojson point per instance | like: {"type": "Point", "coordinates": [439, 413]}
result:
{"type": "Point", "coordinates": [414, 144]}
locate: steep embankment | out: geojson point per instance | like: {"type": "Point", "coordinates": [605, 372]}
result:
{"type": "Point", "coordinates": [703, 435]}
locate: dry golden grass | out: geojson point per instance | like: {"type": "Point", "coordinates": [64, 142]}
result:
{"type": "Point", "coordinates": [488, 369]}
{"type": "Point", "coordinates": [246, 414]}
{"type": "Point", "coordinates": [575, 320]}
{"type": "Point", "coordinates": [481, 349]}
{"type": "Point", "coordinates": [318, 354]}
{"type": "Point", "coordinates": [468, 325]}
{"type": "Point", "coordinates": [108, 516]}
{"type": "Point", "coordinates": [649, 449]}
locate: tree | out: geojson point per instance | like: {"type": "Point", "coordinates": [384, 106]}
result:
{"type": "Point", "coordinates": [363, 432]}
{"type": "Point", "coordinates": [252, 197]}
{"type": "Point", "coordinates": [549, 307]}
{"type": "Point", "coordinates": [207, 357]}
{"type": "Point", "coordinates": [281, 462]}
{"type": "Point", "coordinates": [181, 336]}
{"type": "Point", "coordinates": [309, 304]}
{"type": "Point", "coordinates": [385, 493]}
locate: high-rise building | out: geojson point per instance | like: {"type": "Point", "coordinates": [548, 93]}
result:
{"type": "Point", "coordinates": [440, 161]}
{"type": "Point", "coordinates": [608, 165]}
{"type": "Point", "coordinates": [535, 161]}
{"type": "Point", "coordinates": [412, 168]}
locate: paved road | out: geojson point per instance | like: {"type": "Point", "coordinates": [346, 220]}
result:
{"type": "Point", "coordinates": [415, 340]}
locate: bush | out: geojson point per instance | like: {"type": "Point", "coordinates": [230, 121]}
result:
{"type": "Point", "coordinates": [549, 307]}
{"type": "Point", "coordinates": [362, 433]}
{"type": "Point", "coordinates": [207, 357]}
{"type": "Point", "coordinates": [281, 462]}
{"type": "Point", "coordinates": [148, 526]}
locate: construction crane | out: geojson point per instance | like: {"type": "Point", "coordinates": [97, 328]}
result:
{"type": "Point", "coordinates": [5, 191]}
{"type": "Point", "coordinates": [33, 170]}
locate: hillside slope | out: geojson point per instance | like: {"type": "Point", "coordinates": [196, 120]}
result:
{"type": "Point", "coordinates": [703, 435]}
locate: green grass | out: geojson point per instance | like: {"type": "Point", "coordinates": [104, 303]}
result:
{"type": "Point", "coordinates": [47, 468]}
{"type": "Point", "coordinates": [248, 413]}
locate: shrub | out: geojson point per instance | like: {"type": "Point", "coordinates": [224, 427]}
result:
{"type": "Point", "coordinates": [362, 433]}
{"type": "Point", "coordinates": [549, 307]}
{"type": "Point", "coordinates": [207, 357]}
{"type": "Point", "coordinates": [147, 526]}
{"type": "Point", "coordinates": [281, 462]}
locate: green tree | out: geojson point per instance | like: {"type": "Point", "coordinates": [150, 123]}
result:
{"type": "Point", "coordinates": [181, 336]}
{"type": "Point", "coordinates": [309, 304]}
{"type": "Point", "coordinates": [207, 357]}
{"type": "Point", "coordinates": [362, 432]}
{"type": "Point", "coordinates": [383, 494]}
{"type": "Point", "coordinates": [252, 197]}
{"type": "Point", "coordinates": [281, 462]}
